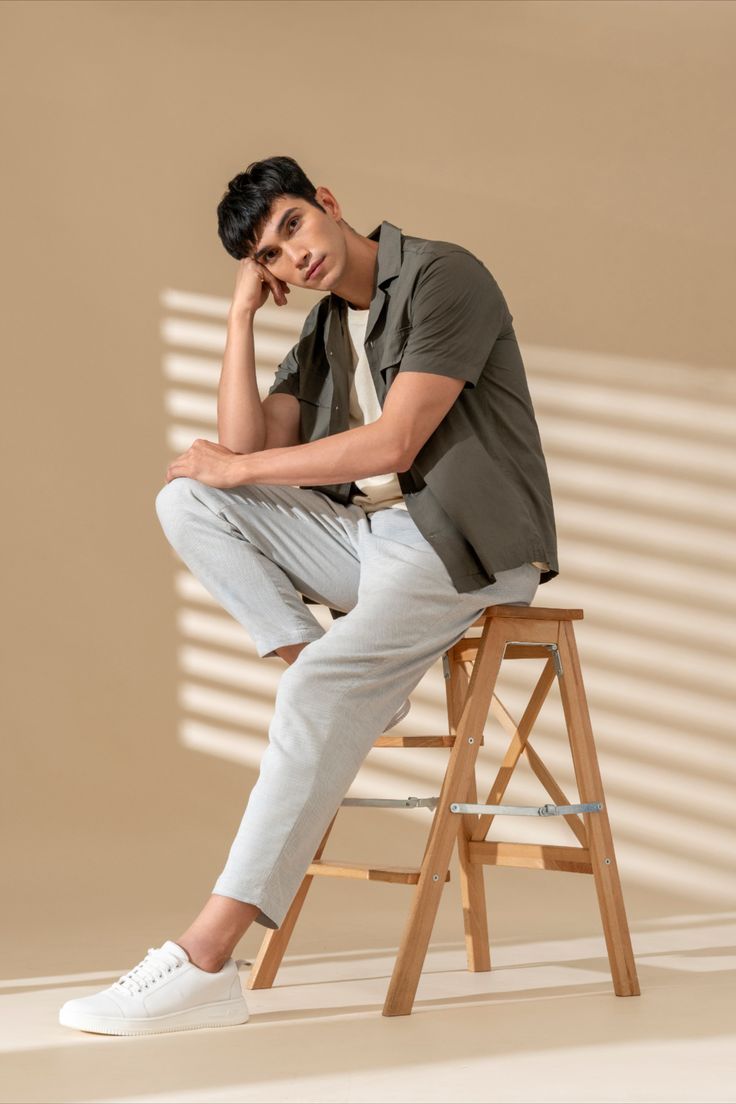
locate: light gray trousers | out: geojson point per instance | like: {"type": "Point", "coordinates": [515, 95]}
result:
{"type": "Point", "coordinates": [258, 549]}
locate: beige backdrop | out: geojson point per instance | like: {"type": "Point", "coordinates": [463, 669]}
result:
{"type": "Point", "coordinates": [584, 151]}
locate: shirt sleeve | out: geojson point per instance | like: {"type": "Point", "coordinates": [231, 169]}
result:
{"type": "Point", "coordinates": [286, 380]}
{"type": "Point", "coordinates": [458, 313]}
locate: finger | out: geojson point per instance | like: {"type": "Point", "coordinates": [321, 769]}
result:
{"type": "Point", "coordinates": [175, 470]}
{"type": "Point", "coordinates": [274, 284]}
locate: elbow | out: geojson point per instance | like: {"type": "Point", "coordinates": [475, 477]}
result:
{"type": "Point", "coordinates": [398, 451]}
{"type": "Point", "coordinates": [404, 459]}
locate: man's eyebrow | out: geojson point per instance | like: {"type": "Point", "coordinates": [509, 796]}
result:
{"type": "Point", "coordinates": [284, 218]}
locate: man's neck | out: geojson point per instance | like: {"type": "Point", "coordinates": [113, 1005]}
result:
{"type": "Point", "coordinates": [358, 284]}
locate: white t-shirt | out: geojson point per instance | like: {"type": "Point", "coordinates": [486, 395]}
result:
{"type": "Point", "coordinates": [378, 492]}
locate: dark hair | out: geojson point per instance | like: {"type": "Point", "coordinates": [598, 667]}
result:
{"type": "Point", "coordinates": [246, 205]}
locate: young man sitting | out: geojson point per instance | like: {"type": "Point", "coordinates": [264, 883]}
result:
{"type": "Point", "coordinates": [395, 474]}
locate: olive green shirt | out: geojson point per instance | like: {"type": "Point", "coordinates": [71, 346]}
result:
{"type": "Point", "coordinates": [478, 489]}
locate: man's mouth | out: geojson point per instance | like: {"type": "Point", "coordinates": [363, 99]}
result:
{"type": "Point", "coordinates": [314, 268]}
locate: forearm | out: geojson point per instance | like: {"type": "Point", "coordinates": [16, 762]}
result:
{"type": "Point", "coordinates": [354, 454]}
{"type": "Point", "coordinates": [241, 425]}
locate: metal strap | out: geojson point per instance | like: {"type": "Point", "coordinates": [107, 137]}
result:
{"type": "Point", "coordinates": [462, 807]}
{"type": "Point", "coordinates": [394, 803]}
{"type": "Point", "coordinates": [527, 810]}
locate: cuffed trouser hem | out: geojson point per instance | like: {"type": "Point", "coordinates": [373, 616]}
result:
{"type": "Point", "coordinates": [221, 890]}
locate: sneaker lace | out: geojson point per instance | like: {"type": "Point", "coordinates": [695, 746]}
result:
{"type": "Point", "coordinates": [156, 965]}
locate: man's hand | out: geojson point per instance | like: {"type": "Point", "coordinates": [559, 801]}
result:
{"type": "Point", "coordinates": [253, 281]}
{"type": "Point", "coordinates": [209, 463]}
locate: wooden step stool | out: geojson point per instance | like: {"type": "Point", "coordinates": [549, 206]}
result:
{"type": "Point", "coordinates": [471, 669]}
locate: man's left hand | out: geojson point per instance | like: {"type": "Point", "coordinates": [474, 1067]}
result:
{"type": "Point", "coordinates": [209, 463]}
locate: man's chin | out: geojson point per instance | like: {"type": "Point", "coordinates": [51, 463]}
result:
{"type": "Point", "coordinates": [328, 275]}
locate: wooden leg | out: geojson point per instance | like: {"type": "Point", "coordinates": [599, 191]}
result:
{"type": "Point", "coordinates": [473, 893]}
{"type": "Point", "coordinates": [274, 944]}
{"type": "Point", "coordinates": [418, 929]}
{"type": "Point", "coordinates": [472, 881]}
{"type": "Point", "coordinates": [600, 840]}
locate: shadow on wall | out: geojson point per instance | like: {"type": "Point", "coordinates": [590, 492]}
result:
{"type": "Point", "coordinates": [640, 456]}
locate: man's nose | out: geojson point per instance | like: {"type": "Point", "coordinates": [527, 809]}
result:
{"type": "Point", "coordinates": [299, 257]}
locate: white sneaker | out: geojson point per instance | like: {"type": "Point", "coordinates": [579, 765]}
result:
{"type": "Point", "coordinates": [399, 715]}
{"type": "Point", "coordinates": [164, 992]}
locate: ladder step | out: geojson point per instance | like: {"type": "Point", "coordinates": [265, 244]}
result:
{"type": "Point", "coordinates": [466, 650]}
{"type": "Point", "coordinates": [442, 740]}
{"type": "Point", "coordinates": [530, 613]}
{"type": "Point", "coordinates": [333, 868]}
{"type": "Point", "coordinates": [534, 856]}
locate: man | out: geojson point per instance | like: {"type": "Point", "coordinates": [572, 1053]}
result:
{"type": "Point", "coordinates": [393, 473]}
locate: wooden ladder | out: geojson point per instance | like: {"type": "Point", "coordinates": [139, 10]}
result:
{"type": "Point", "coordinates": [471, 668]}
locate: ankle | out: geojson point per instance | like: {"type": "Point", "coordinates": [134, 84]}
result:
{"type": "Point", "coordinates": [212, 937]}
{"type": "Point", "coordinates": [203, 957]}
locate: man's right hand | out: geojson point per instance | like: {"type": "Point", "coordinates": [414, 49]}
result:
{"type": "Point", "coordinates": [252, 285]}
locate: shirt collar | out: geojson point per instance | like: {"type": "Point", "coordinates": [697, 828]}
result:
{"type": "Point", "coordinates": [389, 251]}
{"type": "Point", "coordinates": [388, 264]}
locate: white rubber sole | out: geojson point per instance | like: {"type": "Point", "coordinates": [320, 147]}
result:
{"type": "Point", "coordinates": [220, 1014]}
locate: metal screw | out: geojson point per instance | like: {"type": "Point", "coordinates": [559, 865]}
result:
{"type": "Point", "coordinates": [607, 862]}
{"type": "Point", "coordinates": [471, 740]}
{"type": "Point", "coordinates": [435, 877]}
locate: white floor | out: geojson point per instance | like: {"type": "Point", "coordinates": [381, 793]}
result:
{"type": "Point", "coordinates": [543, 1025]}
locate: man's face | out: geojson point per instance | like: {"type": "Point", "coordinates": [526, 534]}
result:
{"type": "Point", "coordinates": [297, 236]}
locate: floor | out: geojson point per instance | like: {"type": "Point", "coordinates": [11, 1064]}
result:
{"type": "Point", "coordinates": [81, 907]}
{"type": "Point", "coordinates": [543, 1025]}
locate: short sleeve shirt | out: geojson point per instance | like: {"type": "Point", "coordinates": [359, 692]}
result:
{"type": "Point", "coordinates": [479, 488]}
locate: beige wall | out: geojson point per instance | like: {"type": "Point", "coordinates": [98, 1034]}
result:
{"type": "Point", "coordinates": [584, 151]}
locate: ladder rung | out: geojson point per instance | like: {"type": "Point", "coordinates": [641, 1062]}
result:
{"type": "Point", "coordinates": [442, 740]}
{"type": "Point", "coordinates": [333, 868]}
{"type": "Point", "coordinates": [393, 803]}
{"type": "Point", "coordinates": [527, 810]}
{"type": "Point", "coordinates": [467, 648]}
{"type": "Point", "coordinates": [532, 856]}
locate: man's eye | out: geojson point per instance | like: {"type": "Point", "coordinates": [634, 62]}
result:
{"type": "Point", "coordinates": [291, 223]}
